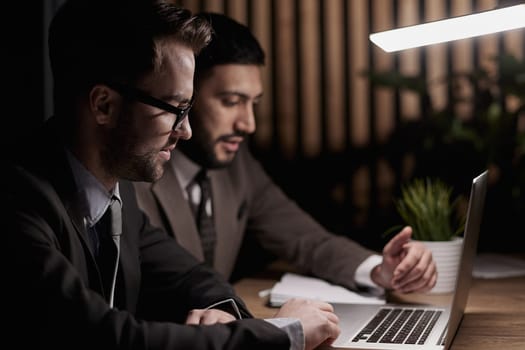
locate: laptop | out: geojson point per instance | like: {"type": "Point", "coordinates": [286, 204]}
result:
{"type": "Point", "coordinates": [416, 326]}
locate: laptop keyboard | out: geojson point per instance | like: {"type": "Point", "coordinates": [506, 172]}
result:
{"type": "Point", "coordinates": [399, 326]}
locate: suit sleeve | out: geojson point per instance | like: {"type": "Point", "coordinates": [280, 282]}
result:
{"type": "Point", "coordinates": [288, 232]}
{"type": "Point", "coordinates": [49, 304]}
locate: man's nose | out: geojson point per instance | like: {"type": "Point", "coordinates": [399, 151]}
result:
{"type": "Point", "coordinates": [246, 121]}
{"type": "Point", "coordinates": [184, 130]}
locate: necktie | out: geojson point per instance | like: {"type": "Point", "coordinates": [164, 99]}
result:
{"type": "Point", "coordinates": [201, 203]}
{"type": "Point", "coordinates": [109, 229]}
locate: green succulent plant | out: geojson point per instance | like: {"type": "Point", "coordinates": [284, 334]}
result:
{"type": "Point", "coordinates": [428, 207]}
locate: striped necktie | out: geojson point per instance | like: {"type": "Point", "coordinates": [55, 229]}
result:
{"type": "Point", "coordinates": [199, 195]}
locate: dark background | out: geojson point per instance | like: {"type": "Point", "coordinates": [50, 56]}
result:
{"type": "Point", "coordinates": [23, 98]}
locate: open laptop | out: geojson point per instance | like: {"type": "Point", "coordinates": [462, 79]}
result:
{"type": "Point", "coordinates": [397, 326]}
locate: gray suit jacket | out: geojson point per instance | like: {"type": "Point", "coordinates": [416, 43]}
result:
{"type": "Point", "coordinates": [248, 204]}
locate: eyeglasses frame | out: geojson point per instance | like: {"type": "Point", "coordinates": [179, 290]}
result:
{"type": "Point", "coordinates": [135, 94]}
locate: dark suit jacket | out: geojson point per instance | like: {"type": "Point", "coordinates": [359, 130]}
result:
{"type": "Point", "coordinates": [54, 295]}
{"type": "Point", "coordinates": [247, 204]}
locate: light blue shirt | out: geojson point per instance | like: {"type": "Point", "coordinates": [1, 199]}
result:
{"type": "Point", "coordinates": [93, 196]}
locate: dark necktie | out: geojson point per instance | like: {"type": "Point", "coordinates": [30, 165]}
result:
{"type": "Point", "coordinates": [108, 230]}
{"type": "Point", "coordinates": [202, 207]}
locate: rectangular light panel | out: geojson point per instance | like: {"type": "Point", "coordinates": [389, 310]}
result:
{"type": "Point", "coordinates": [462, 27]}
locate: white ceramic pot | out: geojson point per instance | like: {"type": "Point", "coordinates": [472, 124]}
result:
{"type": "Point", "coordinates": [447, 255]}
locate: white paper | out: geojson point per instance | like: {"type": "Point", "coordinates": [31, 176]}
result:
{"type": "Point", "coordinates": [293, 285]}
{"type": "Point", "coordinates": [491, 265]}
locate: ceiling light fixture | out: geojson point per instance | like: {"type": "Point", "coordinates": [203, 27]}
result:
{"type": "Point", "coordinates": [461, 27]}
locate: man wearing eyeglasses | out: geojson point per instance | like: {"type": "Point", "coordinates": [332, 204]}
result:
{"type": "Point", "coordinates": [83, 267]}
{"type": "Point", "coordinates": [247, 206]}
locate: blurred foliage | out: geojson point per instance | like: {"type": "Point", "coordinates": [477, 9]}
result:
{"type": "Point", "coordinates": [456, 148]}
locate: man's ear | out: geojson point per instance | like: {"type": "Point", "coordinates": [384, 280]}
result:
{"type": "Point", "coordinates": [102, 104]}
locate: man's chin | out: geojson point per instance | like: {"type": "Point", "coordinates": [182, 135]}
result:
{"type": "Point", "coordinates": [223, 161]}
{"type": "Point", "coordinates": [153, 171]}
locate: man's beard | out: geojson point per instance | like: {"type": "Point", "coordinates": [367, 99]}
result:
{"type": "Point", "coordinates": [120, 158]}
{"type": "Point", "coordinates": [140, 168]}
{"type": "Point", "coordinates": [202, 154]}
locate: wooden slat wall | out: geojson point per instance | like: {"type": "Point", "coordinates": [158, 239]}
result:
{"type": "Point", "coordinates": [309, 24]}
{"type": "Point", "coordinates": [320, 116]}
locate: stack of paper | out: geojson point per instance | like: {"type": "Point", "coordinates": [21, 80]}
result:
{"type": "Point", "coordinates": [297, 286]}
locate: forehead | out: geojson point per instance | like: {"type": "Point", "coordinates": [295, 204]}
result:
{"type": "Point", "coordinates": [245, 78]}
{"type": "Point", "coordinates": [175, 67]}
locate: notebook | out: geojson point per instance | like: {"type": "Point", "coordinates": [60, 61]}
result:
{"type": "Point", "coordinates": [294, 285]}
{"type": "Point", "coordinates": [420, 326]}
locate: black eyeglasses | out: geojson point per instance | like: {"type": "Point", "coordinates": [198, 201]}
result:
{"type": "Point", "coordinates": [134, 94]}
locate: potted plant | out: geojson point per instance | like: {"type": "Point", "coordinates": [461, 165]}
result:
{"type": "Point", "coordinates": [437, 219]}
{"type": "Point", "coordinates": [427, 205]}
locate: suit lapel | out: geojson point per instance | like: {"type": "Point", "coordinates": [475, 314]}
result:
{"type": "Point", "coordinates": [62, 178]}
{"type": "Point", "coordinates": [177, 211]}
{"type": "Point", "coordinates": [59, 173]}
{"type": "Point", "coordinates": [225, 208]}
{"type": "Point", "coordinates": [74, 213]}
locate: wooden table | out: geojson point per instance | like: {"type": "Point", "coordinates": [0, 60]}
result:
{"type": "Point", "coordinates": [494, 318]}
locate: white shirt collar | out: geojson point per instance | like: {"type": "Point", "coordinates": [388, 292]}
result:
{"type": "Point", "coordinates": [185, 169]}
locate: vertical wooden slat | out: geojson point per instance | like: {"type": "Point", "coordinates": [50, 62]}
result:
{"type": "Point", "coordinates": [285, 76]}
{"type": "Point", "coordinates": [383, 97]}
{"type": "Point", "coordinates": [345, 74]}
{"type": "Point", "coordinates": [386, 181]}
{"type": "Point", "coordinates": [237, 9]}
{"type": "Point", "coordinates": [360, 184]}
{"type": "Point", "coordinates": [436, 58]}
{"type": "Point", "coordinates": [409, 59]}
{"type": "Point", "coordinates": [513, 42]}
{"type": "Point", "coordinates": [462, 59]}
{"type": "Point", "coordinates": [359, 50]}
{"type": "Point", "coordinates": [190, 5]}
{"type": "Point", "coordinates": [261, 27]}
{"type": "Point", "coordinates": [334, 89]}
{"type": "Point", "coordinates": [211, 5]}
{"type": "Point", "coordinates": [360, 195]}
{"type": "Point", "coordinates": [488, 44]}
{"type": "Point", "coordinates": [310, 93]}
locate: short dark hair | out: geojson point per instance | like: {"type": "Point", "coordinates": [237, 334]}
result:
{"type": "Point", "coordinates": [231, 43]}
{"type": "Point", "coordinates": [96, 41]}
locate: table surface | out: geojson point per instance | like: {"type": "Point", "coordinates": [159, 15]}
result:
{"type": "Point", "coordinates": [494, 317]}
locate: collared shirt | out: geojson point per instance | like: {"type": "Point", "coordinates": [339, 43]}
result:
{"type": "Point", "coordinates": [185, 171]}
{"type": "Point", "coordinates": [93, 196]}
{"type": "Point", "coordinates": [363, 274]}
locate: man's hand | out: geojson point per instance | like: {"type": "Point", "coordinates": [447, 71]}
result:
{"type": "Point", "coordinates": [407, 265]}
{"type": "Point", "coordinates": [320, 324]}
{"type": "Point", "coordinates": [208, 316]}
